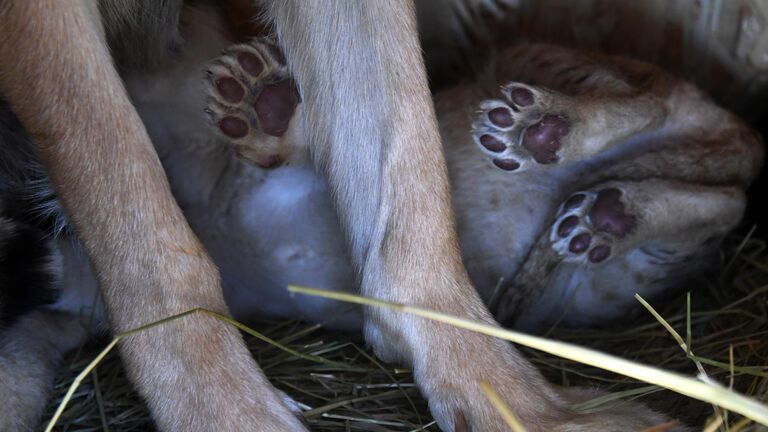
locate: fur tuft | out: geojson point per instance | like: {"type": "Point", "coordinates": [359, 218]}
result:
{"type": "Point", "coordinates": [30, 270]}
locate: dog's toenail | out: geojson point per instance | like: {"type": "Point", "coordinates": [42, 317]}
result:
{"type": "Point", "coordinates": [233, 127]}
{"type": "Point", "coordinates": [580, 243]}
{"type": "Point", "coordinates": [567, 226]}
{"type": "Point", "coordinates": [507, 164]}
{"type": "Point", "coordinates": [230, 89]}
{"type": "Point", "coordinates": [250, 63]}
{"type": "Point", "coordinates": [460, 423]}
{"type": "Point", "coordinates": [501, 117]}
{"type": "Point", "coordinates": [573, 202]}
{"type": "Point", "coordinates": [492, 143]}
{"type": "Point", "coordinates": [599, 253]}
{"type": "Point", "coordinates": [522, 96]}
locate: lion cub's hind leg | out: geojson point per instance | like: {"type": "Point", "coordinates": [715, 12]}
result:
{"type": "Point", "coordinates": [617, 239]}
{"type": "Point", "coordinates": [531, 126]}
{"type": "Point", "coordinates": [252, 102]}
{"type": "Point", "coordinates": [564, 106]}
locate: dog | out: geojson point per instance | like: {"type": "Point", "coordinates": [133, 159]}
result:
{"type": "Point", "coordinates": [384, 166]}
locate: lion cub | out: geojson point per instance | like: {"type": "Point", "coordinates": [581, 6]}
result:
{"type": "Point", "coordinates": [578, 180]}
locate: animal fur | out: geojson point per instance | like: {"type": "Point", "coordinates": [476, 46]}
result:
{"type": "Point", "coordinates": [382, 171]}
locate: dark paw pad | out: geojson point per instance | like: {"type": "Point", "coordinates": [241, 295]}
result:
{"type": "Point", "coordinates": [579, 243]}
{"type": "Point", "coordinates": [521, 96]}
{"type": "Point", "coordinates": [528, 124]}
{"type": "Point", "coordinates": [507, 164]}
{"type": "Point", "coordinates": [492, 144]}
{"type": "Point", "coordinates": [501, 117]}
{"type": "Point", "coordinates": [573, 202]}
{"type": "Point", "coordinates": [252, 100]}
{"type": "Point", "coordinates": [233, 127]}
{"type": "Point", "coordinates": [567, 226]}
{"type": "Point", "coordinates": [274, 107]}
{"type": "Point", "coordinates": [590, 225]}
{"type": "Point", "coordinates": [229, 89]}
{"type": "Point", "coordinates": [608, 214]}
{"type": "Point", "coordinates": [250, 63]}
{"type": "Point", "coordinates": [599, 253]}
{"type": "Point", "coordinates": [542, 139]}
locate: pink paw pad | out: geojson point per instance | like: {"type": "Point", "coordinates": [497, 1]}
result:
{"type": "Point", "coordinates": [252, 99]}
{"type": "Point", "coordinates": [501, 117]}
{"type": "Point", "coordinates": [230, 89]}
{"type": "Point", "coordinates": [275, 106]}
{"type": "Point", "coordinates": [542, 139]}
{"type": "Point", "coordinates": [507, 164]}
{"type": "Point", "coordinates": [608, 214]}
{"type": "Point", "coordinates": [233, 127]}
{"type": "Point", "coordinates": [250, 63]}
{"type": "Point", "coordinates": [590, 223]}
{"type": "Point", "coordinates": [525, 125]}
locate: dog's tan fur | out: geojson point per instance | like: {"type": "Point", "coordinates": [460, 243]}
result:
{"type": "Point", "coordinates": [402, 238]}
{"type": "Point", "coordinates": [196, 373]}
{"type": "Point", "coordinates": [371, 129]}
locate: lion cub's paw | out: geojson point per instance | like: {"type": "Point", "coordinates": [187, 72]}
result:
{"type": "Point", "coordinates": [525, 127]}
{"type": "Point", "coordinates": [590, 223]}
{"type": "Point", "coordinates": [252, 100]}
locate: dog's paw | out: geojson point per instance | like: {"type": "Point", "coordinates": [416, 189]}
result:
{"type": "Point", "coordinates": [252, 100]}
{"type": "Point", "coordinates": [524, 128]}
{"type": "Point", "coordinates": [459, 405]}
{"type": "Point", "coordinates": [293, 406]}
{"type": "Point", "coordinates": [590, 224]}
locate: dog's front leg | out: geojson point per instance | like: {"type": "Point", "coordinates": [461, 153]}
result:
{"type": "Point", "coordinates": [57, 74]}
{"type": "Point", "coordinates": [373, 133]}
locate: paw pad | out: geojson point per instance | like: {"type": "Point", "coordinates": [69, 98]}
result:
{"type": "Point", "coordinates": [233, 127]}
{"type": "Point", "coordinates": [250, 63]}
{"type": "Point", "coordinates": [599, 253]}
{"type": "Point", "coordinates": [501, 117]}
{"type": "Point", "coordinates": [525, 126]}
{"type": "Point", "coordinates": [542, 139]}
{"type": "Point", "coordinates": [274, 107]}
{"type": "Point", "coordinates": [492, 144]}
{"type": "Point", "coordinates": [574, 201]}
{"type": "Point", "coordinates": [590, 224]}
{"type": "Point", "coordinates": [507, 164]}
{"type": "Point", "coordinates": [521, 96]}
{"type": "Point", "coordinates": [608, 214]}
{"type": "Point", "coordinates": [252, 99]}
{"type": "Point", "coordinates": [579, 243]}
{"type": "Point", "coordinates": [567, 226]}
{"type": "Point", "coordinates": [229, 89]}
